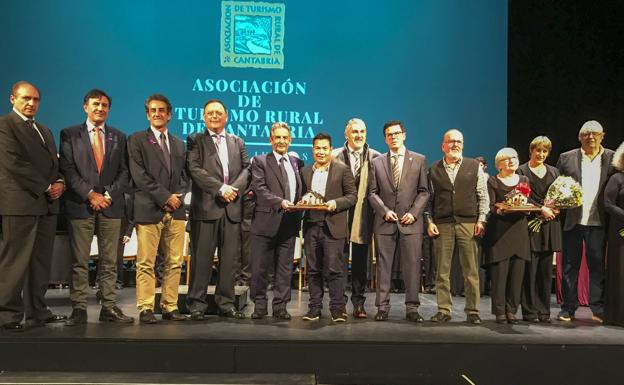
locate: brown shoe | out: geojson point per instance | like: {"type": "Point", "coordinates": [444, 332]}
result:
{"type": "Point", "coordinates": [359, 312]}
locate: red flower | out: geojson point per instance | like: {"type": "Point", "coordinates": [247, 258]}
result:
{"type": "Point", "coordinates": [523, 188]}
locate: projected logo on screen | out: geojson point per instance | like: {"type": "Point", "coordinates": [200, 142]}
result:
{"type": "Point", "coordinates": [252, 34]}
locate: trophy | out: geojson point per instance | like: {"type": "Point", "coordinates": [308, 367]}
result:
{"type": "Point", "coordinates": [311, 201]}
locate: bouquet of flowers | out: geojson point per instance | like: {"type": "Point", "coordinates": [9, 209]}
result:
{"type": "Point", "coordinates": [563, 193]}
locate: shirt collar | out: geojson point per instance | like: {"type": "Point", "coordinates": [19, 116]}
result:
{"type": "Point", "coordinates": [280, 156]}
{"type": "Point", "coordinates": [157, 133]}
{"type": "Point", "coordinates": [597, 155]}
{"type": "Point", "coordinates": [22, 116]}
{"type": "Point", "coordinates": [360, 151]}
{"type": "Point", "coordinates": [211, 133]}
{"type": "Point", "coordinates": [458, 163]}
{"type": "Point", "coordinates": [91, 126]}
{"type": "Point", "coordinates": [400, 152]}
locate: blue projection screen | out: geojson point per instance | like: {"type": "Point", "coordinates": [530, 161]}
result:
{"type": "Point", "coordinates": [433, 64]}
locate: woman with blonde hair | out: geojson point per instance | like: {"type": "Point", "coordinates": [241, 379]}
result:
{"type": "Point", "coordinates": [545, 239]}
{"type": "Point", "coordinates": [614, 206]}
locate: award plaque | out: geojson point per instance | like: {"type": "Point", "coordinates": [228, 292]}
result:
{"type": "Point", "coordinates": [527, 208]}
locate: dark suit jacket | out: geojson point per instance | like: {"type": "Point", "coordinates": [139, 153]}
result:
{"type": "Point", "coordinates": [411, 196]}
{"type": "Point", "coordinates": [268, 187]}
{"type": "Point", "coordinates": [341, 188]}
{"type": "Point", "coordinates": [81, 175]}
{"type": "Point", "coordinates": [366, 221]}
{"type": "Point", "coordinates": [27, 168]}
{"type": "Point", "coordinates": [206, 172]}
{"type": "Point", "coordinates": [569, 164]}
{"type": "Point", "coordinates": [149, 173]}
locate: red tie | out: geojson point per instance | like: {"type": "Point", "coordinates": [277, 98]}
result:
{"type": "Point", "coordinates": [98, 149]}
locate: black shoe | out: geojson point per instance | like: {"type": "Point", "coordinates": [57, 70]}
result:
{"type": "Point", "coordinates": [13, 327]}
{"type": "Point", "coordinates": [282, 315]}
{"type": "Point", "coordinates": [173, 316]}
{"type": "Point", "coordinates": [473, 319]}
{"type": "Point", "coordinates": [77, 317]}
{"type": "Point", "coordinates": [338, 317]}
{"type": "Point", "coordinates": [258, 314]}
{"type": "Point", "coordinates": [545, 319]}
{"type": "Point", "coordinates": [232, 313]}
{"type": "Point", "coordinates": [54, 318]}
{"type": "Point", "coordinates": [511, 319]}
{"type": "Point", "coordinates": [359, 312]}
{"type": "Point", "coordinates": [147, 317]}
{"type": "Point", "coordinates": [197, 315]}
{"type": "Point", "coordinates": [382, 315]}
{"type": "Point", "coordinates": [413, 316]}
{"type": "Point", "coordinates": [531, 319]}
{"type": "Point", "coordinates": [312, 315]}
{"type": "Point", "coordinates": [501, 319]}
{"type": "Point", "coordinates": [114, 314]}
{"type": "Point", "coordinates": [440, 317]}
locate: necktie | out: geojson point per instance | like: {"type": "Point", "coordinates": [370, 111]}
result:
{"type": "Point", "coordinates": [396, 172]}
{"type": "Point", "coordinates": [356, 163]}
{"type": "Point", "coordinates": [98, 149]}
{"type": "Point", "coordinates": [31, 124]}
{"type": "Point", "coordinates": [165, 150]}
{"type": "Point", "coordinates": [284, 178]}
{"type": "Point", "coordinates": [222, 156]}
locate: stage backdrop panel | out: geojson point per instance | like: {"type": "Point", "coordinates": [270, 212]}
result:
{"type": "Point", "coordinates": [434, 64]}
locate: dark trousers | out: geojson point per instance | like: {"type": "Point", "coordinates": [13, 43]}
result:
{"type": "Point", "coordinates": [572, 253]}
{"type": "Point", "coordinates": [506, 289]}
{"type": "Point", "coordinates": [324, 258]}
{"type": "Point", "coordinates": [81, 232]}
{"type": "Point", "coordinates": [206, 236]}
{"type": "Point", "coordinates": [408, 248]}
{"type": "Point", "coordinates": [271, 254]}
{"type": "Point", "coordinates": [38, 277]}
{"type": "Point", "coordinates": [24, 239]}
{"type": "Point", "coordinates": [359, 268]}
{"type": "Point", "coordinates": [537, 285]}
{"type": "Point", "coordinates": [243, 263]}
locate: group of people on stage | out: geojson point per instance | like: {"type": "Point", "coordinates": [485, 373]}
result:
{"type": "Point", "coordinates": [353, 194]}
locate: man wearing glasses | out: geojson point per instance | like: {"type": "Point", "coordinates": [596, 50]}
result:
{"type": "Point", "coordinates": [591, 166]}
{"type": "Point", "coordinates": [456, 215]}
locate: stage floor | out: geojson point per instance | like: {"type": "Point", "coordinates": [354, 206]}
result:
{"type": "Point", "coordinates": [580, 331]}
{"type": "Point", "coordinates": [355, 352]}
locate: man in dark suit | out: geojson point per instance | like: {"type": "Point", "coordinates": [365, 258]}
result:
{"type": "Point", "coordinates": [218, 165]}
{"type": "Point", "coordinates": [276, 183]}
{"type": "Point", "coordinates": [325, 232]}
{"type": "Point", "coordinates": [30, 187]}
{"type": "Point", "coordinates": [357, 156]}
{"type": "Point", "coordinates": [157, 166]}
{"type": "Point", "coordinates": [591, 166]}
{"type": "Point", "coordinates": [398, 193]}
{"type": "Point", "coordinates": [94, 163]}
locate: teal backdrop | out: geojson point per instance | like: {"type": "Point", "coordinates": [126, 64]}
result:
{"type": "Point", "coordinates": [433, 64]}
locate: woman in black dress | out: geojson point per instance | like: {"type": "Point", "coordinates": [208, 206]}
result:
{"type": "Point", "coordinates": [506, 240]}
{"type": "Point", "coordinates": [614, 205]}
{"type": "Point", "coordinates": [538, 274]}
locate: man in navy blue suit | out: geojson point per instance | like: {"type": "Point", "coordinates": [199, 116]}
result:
{"type": "Point", "coordinates": [94, 161]}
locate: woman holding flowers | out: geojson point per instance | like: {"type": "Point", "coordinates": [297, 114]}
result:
{"type": "Point", "coordinates": [507, 237]}
{"type": "Point", "coordinates": [545, 238]}
{"type": "Point", "coordinates": [614, 206]}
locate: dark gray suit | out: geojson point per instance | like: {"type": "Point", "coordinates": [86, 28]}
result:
{"type": "Point", "coordinates": [28, 218]}
{"type": "Point", "coordinates": [273, 231]}
{"type": "Point", "coordinates": [78, 165]}
{"type": "Point", "coordinates": [574, 234]}
{"type": "Point", "coordinates": [410, 197]}
{"type": "Point", "coordinates": [325, 235]}
{"type": "Point", "coordinates": [363, 231]}
{"type": "Point", "coordinates": [214, 222]}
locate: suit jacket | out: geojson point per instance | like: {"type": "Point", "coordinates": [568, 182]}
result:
{"type": "Point", "coordinates": [341, 188]}
{"type": "Point", "coordinates": [268, 186]}
{"type": "Point", "coordinates": [410, 197]}
{"type": "Point", "coordinates": [154, 184]}
{"type": "Point", "coordinates": [27, 168]}
{"type": "Point", "coordinates": [204, 167]}
{"type": "Point", "coordinates": [81, 175]}
{"type": "Point", "coordinates": [569, 164]}
{"type": "Point", "coordinates": [366, 221]}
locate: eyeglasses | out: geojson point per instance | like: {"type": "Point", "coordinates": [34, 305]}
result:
{"type": "Point", "coordinates": [509, 159]}
{"type": "Point", "coordinates": [587, 134]}
{"type": "Point", "coordinates": [393, 134]}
